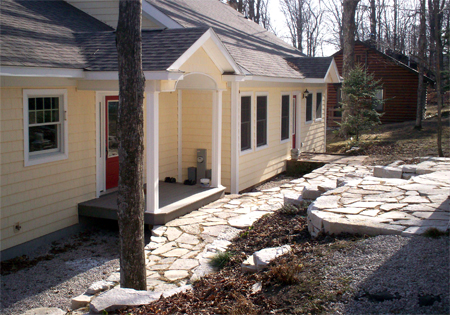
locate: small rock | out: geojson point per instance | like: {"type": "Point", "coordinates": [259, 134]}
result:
{"type": "Point", "coordinates": [257, 287]}
{"type": "Point", "coordinates": [311, 192]}
{"type": "Point", "coordinates": [81, 301]}
{"type": "Point", "coordinates": [263, 257]}
{"type": "Point", "coordinates": [99, 286]}
{"type": "Point", "coordinates": [249, 265]}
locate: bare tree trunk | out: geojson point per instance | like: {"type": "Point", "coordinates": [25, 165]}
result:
{"type": "Point", "coordinates": [349, 28]}
{"type": "Point", "coordinates": [130, 130]}
{"type": "Point", "coordinates": [422, 46]}
{"type": "Point", "coordinates": [439, 64]}
{"type": "Point", "coordinates": [395, 25]}
{"type": "Point", "coordinates": [373, 23]}
{"type": "Point", "coordinates": [432, 63]}
{"type": "Point", "coordinates": [300, 24]}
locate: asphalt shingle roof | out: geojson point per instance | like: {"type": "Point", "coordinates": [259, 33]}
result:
{"type": "Point", "coordinates": [255, 49]}
{"type": "Point", "coordinates": [42, 33]}
{"type": "Point", "coordinates": [160, 48]}
{"type": "Point", "coordinates": [311, 67]}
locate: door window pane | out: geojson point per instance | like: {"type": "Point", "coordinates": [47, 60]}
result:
{"type": "Point", "coordinates": [113, 141]}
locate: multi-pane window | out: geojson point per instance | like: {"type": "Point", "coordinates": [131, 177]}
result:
{"type": "Point", "coordinates": [285, 100]}
{"type": "Point", "coordinates": [246, 123]}
{"type": "Point", "coordinates": [319, 105]}
{"type": "Point", "coordinates": [309, 107]}
{"type": "Point", "coordinates": [261, 120]}
{"type": "Point", "coordinates": [45, 126]}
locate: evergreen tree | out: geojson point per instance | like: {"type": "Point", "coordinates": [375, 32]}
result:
{"type": "Point", "coordinates": [361, 103]}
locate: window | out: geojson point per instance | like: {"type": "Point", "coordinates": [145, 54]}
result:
{"type": "Point", "coordinates": [261, 120]}
{"type": "Point", "coordinates": [338, 106]}
{"type": "Point", "coordinates": [246, 123]}
{"type": "Point", "coordinates": [285, 102]}
{"type": "Point", "coordinates": [379, 96]}
{"type": "Point", "coordinates": [319, 105]}
{"type": "Point", "coordinates": [309, 103]}
{"type": "Point", "coordinates": [45, 126]}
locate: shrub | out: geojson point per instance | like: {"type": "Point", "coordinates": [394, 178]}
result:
{"type": "Point", "coordinates": [286, 273]}
{"type": "Point", "coordinates": [220, 259]}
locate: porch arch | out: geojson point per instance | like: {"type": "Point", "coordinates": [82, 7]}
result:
{"type": "Point", "coordinates": [197, 81]}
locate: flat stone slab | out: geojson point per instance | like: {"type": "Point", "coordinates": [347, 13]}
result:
{"type": "Point", "coordinates": [246, 220]}
{"type": "Point", "coordinates": [387, 172]}
{"type": "Point", "coordinates": [173, 275]}
{"type": "Point", "coordinates": [118, 298]}
{"type": "Point", "coordinates": [81, 301]}
{"type": "Point", "coordinates": [45, 311]}
{"type": "Point", "coordinates": [184, 264]}
{"type": "Point", "coordinates": [99, 286]}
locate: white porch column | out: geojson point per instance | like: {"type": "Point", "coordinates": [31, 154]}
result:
{"type": "Point", "coordinates": [216, 139]}
{"type": "Point", "coordinates": [180, 136]}
{"type": "Point", "coordinates": [235, 143]}
{"type": "Point", "coordinates": [152, 145]}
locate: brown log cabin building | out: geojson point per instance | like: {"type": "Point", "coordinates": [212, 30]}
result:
{"type": "Point", "coordinates": [399, 82]}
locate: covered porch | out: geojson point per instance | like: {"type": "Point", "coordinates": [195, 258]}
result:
{"type": "Point", "coordinates": [174, 200]}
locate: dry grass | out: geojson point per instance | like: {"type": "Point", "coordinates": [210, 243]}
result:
{"type": "Point", "coordinates": [400, 141]}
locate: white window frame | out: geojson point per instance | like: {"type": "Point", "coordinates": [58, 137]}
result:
{"type": "Point", "coordinates": [266, 94]}
{"type": "Point", "coordinates": [290, 116]}
{"type": "Point", "coordinates": [252, 134]}
{"type": "Point", "coordinates": [315, 106]}
{"type": "Point", "coordinates": [62, 153]}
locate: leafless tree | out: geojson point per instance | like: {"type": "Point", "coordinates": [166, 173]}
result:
{"type": "Point", "coordinates": [255, 10]}
{"type": "Point", "coordinates": [130, 131]}
{"type": "Point", "coordinates": [421, 93]}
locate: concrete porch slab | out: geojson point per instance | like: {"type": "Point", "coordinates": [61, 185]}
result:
{"type": "Point", "coordinates": [175, 200]}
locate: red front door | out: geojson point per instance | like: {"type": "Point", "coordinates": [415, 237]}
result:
{"type": "Point", "coordinates": [112, 143]}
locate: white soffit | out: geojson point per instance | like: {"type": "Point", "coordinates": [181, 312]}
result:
{"type": "Point", "coordinates": [215, 50]}
{"type": "Point", "coordinates": [156, 16]}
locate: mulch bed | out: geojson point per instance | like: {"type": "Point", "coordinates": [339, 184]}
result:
{"type": "Point", "coordinates": [291, 284]}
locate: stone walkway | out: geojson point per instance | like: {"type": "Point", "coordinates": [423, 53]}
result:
{"type": "Point", "coordinates": [349, 199]}
{"type": "Point", "coordinates": [398, 199]}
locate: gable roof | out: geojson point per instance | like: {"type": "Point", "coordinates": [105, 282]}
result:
{"type": "Point", "coordinates": [311, 67]}
{"type": "Point", "coordinates": [34, 34]}
{"type": "Point", "coordinates": [160, 48]}
{"type": "Point", "coordinates": [256, 50]}
{"type": "Point", "coordinates": [385, 56]}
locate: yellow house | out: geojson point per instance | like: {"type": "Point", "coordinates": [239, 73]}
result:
{"type": "Point", "coordinates": [222, 95]}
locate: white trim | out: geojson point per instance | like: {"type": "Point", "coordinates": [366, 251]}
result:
{"type": "Point", "coordinates": [315, 105]}
{"type": "Point", "coordinates": [230, 77]}
{"type": "Point", "coordinates": [149, 75]}
{"type": "Point", "coordinates": [41, 72]}
{"type": "Point", "coordinates": [266, 94]}
{"type": "Point", "coordinates": [46, 157]}
{"type": "Point", "coordinates": [100, 142]}
{"type": "Point", "coordinates": [215, 88]}
{"type": "Point", "coordinates": [180, 136]}
{"type": "Point", "coordinates": [282, 141]}
{"type": "Point", "coordinates": [155, 15]}
{"type": "Point", "coordinates": [333, 68]}
{"type": "Point", "coordinates": [209, 34]}
{"type": "Point", "coordinates": [252, 134]}
{"type": "Point", "coordinates": [152, 146]}
{"type": "Point", "coordinates": [298, 119]}
{"type": "Point", "coordinates": [235, 137]}
{"type": "Point", "coordinates": [216, 172]}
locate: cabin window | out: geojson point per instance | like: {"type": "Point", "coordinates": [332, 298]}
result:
{"type": "Point", "coordinates": [246, 122]}
{"type": "Point", "coordinates": [261, 120]}
{"type": "Point", "coordinates": [338, 106]}
{"type": "Point", "coordinates": [285, 102]}
{"type": "Point", "coordinates": [45, 126]}
{"type": "Point", "coordinates": [379, 95]}
{"type": "Point", "coordinates": [309, 107]}
{"type": "Point", "coordinates": [319, 105]}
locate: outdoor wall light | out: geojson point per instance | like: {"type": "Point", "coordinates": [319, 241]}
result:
{"type": "Point", "coordinates": [306, 93]}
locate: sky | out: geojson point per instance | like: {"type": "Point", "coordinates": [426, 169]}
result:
{"type": "Point", "coordinates": [278, 21]}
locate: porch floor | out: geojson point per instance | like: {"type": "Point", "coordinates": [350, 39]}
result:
{"type": "Point", "coordinates": [174, 200]}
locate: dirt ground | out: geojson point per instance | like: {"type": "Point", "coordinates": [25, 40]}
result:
{"type": "Point", "coordinates": [390, 142]}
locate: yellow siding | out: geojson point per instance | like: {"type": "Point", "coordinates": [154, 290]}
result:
{"type": "Point", "coordinates": [43, 198]}
{"type": "Point", "coordinates": [197, 127]}
{"type": "Point", "coordinates": [106, 11]}
{"type": "Point", "coordinates": [312, 134]}
{"type": "Point", "coordinates": [266, 162]}
{"type": "Point", "coordinates": [168, 135]}
{"type": "Point", "coordinates": [226, 139]}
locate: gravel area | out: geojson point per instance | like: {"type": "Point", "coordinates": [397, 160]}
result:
{"type": "Point", "coordinates": [392, 275]}
{"type": "Point", "coordinates": [74, 264]}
